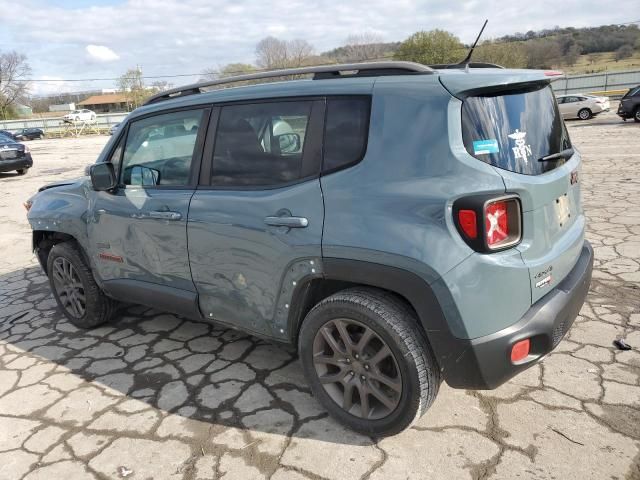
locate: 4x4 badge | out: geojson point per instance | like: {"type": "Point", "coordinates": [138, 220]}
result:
{"type": "Point", "coordinates": [521, 150]}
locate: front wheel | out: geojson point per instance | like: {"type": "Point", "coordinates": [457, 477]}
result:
{"type": "Point", "coordinates": [367, 362]}
{"type": "Point", "coordinates": [74, 288]}
{"type": "Point", "coordinates": [22, 171]}
{"type": "Point", "coordinates": [585, 114]}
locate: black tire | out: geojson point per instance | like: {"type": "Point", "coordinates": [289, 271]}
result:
{"type": "Point", "coordinates": [98, 308]}
{"type": "Point", "coordinates": [394, 323]}
{"type": "Point", "coordinates": [585, 114]}
{"type": "Point", "coordinates": [636, 115]}
{"type": "Point", "coordinates": [22, 171]}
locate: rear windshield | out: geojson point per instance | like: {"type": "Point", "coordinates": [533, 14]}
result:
{"type": "Point", "coordinates": [513, 130]}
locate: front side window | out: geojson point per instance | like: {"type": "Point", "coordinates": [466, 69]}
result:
{"type": "Point", "coordinates": [160, 149]}
{"type": "Point", "coordinates": [260, 144]}
{"type": "Point", "coordinates": [346, 131]}
{"type": "Point", "coordinates": [512, 130]}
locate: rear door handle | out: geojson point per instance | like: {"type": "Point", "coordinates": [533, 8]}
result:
{"type": "Point", "coordinates": [165, 215]}
{"type": "Point", "coordinates": [289, 222]}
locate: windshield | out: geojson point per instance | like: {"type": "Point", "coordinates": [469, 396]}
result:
{"type": "Point", "coordinates": [632, 92]}
{"type": "Point", "coordinates": [513, 130]}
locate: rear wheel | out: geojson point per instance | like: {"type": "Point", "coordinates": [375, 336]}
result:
{"type": "Point", "coordinates": [75, 289]}
{"type": "Point", "coordinates": [584, 114]}
{"type": "Point", "coordinates": [22, 171]}
{"type": "Point", "coordinates": [636, 115]}
{"type": "Point", "coordinates": [367, 362]}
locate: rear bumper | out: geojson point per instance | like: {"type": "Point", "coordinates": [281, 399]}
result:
{"type": "Point", "coordinates": [485, 362]}
{"type": "Point", "coordinates": [16, 164]}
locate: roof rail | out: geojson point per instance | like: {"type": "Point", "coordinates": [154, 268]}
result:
{"type": "Point", "coordinates": [319, 72]}
{"type": "Point", "coordinates": [462, 66]}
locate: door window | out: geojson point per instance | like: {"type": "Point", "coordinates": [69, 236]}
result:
{"type": "Point", "coordinates": [160, 149]}
{"type": "Point", "coordinates": [261, 144]}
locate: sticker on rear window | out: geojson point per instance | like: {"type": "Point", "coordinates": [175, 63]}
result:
{"type": "Point", "coordinates": [522, 149]}
{"type": "Point", "coordinates": [482, 147]}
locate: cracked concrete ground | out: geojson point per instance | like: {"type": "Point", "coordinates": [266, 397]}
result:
{"type": "Point", "coordinates": [155, 396]}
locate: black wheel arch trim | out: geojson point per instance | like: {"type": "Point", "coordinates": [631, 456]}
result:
{"type": "Point", "coordinates": [429, 307]}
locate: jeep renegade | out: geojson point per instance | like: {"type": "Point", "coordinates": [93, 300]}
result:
{"type": "Point", "coordinates": [400, 224]}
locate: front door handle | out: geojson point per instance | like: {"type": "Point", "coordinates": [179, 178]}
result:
{"type": "Point", "coordinates": [289, 222]}
{"type": "Point", "coordinates": [165, 215]}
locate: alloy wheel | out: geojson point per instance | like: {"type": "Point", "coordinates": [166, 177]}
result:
{"type": "Point", "coordinates": [69, 287]}
{"type": "Point", "coordinates": [357, 369]}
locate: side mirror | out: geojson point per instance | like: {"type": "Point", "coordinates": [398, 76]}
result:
{"type": "Point", "coordinates": [288, 142]}
{"type": "Point", "coordinates": [103, 176]}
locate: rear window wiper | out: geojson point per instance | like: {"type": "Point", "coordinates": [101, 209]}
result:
{"type": "Point", "coordinates": [566, 154]}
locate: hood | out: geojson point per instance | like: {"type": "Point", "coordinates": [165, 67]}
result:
{"type": "Point", "coordinates": [63, 183]}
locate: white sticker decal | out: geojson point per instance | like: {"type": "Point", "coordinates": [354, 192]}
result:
{"type": "Point", "coordinates": [521, 150]}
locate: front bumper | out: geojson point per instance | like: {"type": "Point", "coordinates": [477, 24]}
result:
{"type": "Point", "coordinates": [16, 163]}
{"type": "Point", "coordinates": [485, 362]}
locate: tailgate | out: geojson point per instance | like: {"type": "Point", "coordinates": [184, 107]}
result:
{"type": "Point", "coordinates": [513, 126]}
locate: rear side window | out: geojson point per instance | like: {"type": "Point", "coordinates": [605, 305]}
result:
{"type": "Point", "coordinates": [514, 130]}
{"type": "Point", "coordinates": [261, 144]}
{"type": "Point", "coordinates": [346, 132]}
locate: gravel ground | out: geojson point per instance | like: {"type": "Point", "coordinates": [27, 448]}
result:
{"type": "Point", "coordinates": [155, 396]}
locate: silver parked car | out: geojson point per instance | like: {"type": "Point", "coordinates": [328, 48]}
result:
{"type": "Point", "coordinates": [582, 106]}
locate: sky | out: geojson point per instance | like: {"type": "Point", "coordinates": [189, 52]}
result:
{"type": "Point", "coordinates": [75, 39]}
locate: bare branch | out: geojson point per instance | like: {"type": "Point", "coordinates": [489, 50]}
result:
{"type": "Point", "coordinates": [14, 70]}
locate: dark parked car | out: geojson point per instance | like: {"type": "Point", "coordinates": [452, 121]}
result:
{"type": "Point", "coordinates": [401, 225]}
{"type": "Point", "coordinates": [630, 105]}
{"type": "Point", "coordinates": [14, 156]}
{"type": "Point", "coordinates": [7, 133]}
{"type": "Point", "coordinates": [29, 134]}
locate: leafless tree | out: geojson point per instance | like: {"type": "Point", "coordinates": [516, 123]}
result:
{"type": "Point", "coordinates": [229, 70]}
{"type": "Point", "coordinates": [131, 84]}
{"type": "Point", "coordinates": [298, 52]}
{"type": "Point", "coordinates": [273, 53]}
{"type": "Point", "coordinates": [362, 47]}
{"type": "Point", "coordinates": [14, 70]}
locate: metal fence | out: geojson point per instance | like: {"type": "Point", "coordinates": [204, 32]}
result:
{"type": "Point", "coordinates": [611, 84]}
{"type": "Point", "coordinates": [55, 126]}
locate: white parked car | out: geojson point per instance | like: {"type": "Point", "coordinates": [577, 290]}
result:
{"type": "Point", "coordinates": [80, 116]}
{"type": "Point", "coordinates": [582, 106]}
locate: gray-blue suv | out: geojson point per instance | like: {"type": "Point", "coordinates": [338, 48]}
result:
{"type": "Point", "coordinates": [400, 224]}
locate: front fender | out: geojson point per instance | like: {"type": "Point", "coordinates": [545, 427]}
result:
{"type": "Point", "coordinates": [61, 209]}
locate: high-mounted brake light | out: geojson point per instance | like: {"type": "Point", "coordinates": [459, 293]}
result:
{"type": "Point", "coordinates": [488, 223]}
{"type": "Point", "coordinates": [552, 73]}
